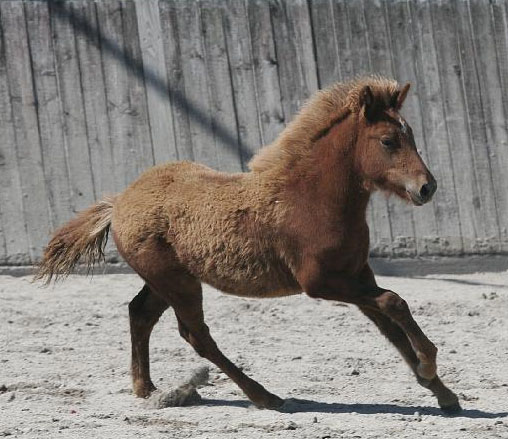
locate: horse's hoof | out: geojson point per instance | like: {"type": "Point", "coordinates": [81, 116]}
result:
{"type": "Point", "coordinates": [452, 409]}
{"type": "Point", "coordinates": [143, 390]}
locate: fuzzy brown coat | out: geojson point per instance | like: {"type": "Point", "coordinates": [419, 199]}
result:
{"type": "Point", "coordinates": [296, 222]}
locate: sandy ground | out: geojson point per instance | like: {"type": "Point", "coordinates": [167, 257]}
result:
{"type": "Point", "coordinates": [64, 354]}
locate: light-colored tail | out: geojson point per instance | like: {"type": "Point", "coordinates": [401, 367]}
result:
{"type": "Point", "coordinates": [81, 239]}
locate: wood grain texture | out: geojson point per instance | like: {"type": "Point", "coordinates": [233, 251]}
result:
{"type": "Point", "coordinates": [227, 107]}
{"type": "Point", "coordinates": [109, 16]}
{"type": "Point", "coordinates": [15, 239]}
{"type": "Point", "coordinates": [242, 75]}
{"type": "Point", "coordinates": [138, 151]}
{"type": "Point", "coordinates": [295, 53]}
{"type": "Point", "coordinates": [49, 109]}
{"type": "Point", "coordinates": [35, 199]}
{"type": "Point", "coordinates": [93, 93]}
{"type": "Point", "coordinates": [489, 241]}
{"type": "Point", "coordinates": [499, 14]}
{"type": "Point", "coordinates": [328, 55]}
{"type": "Point", "coordinates": [494, 111]}
{"type": "Point", "coordinates": [342, 32]}
{"type": "Point", "coordinates": [175, 78]}
{"type": "Point", "coordinates": [73, 112]}
{"type": "Point", "coordinates": [154, 65]}
{"type": "Point", "coordinates": [266, 71]}
{"type": "Point", "coordinates": [446, 42]}
{"type": "Point", "coordinates": [434, 126]}
{"type": "Point", "coordinates": [197, 93]}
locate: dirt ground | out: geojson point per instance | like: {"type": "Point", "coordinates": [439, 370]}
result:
{"type": "Point", "coordinates": [64, 363]}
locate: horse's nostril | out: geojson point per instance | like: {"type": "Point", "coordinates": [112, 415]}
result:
{"type": "Point", "coordinates": [424, 191]}
{"type": "Point", "coordinates": [427, 190]}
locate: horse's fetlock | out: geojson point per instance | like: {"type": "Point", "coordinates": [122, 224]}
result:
{"type": "Point", "coordinates": [426, 371]}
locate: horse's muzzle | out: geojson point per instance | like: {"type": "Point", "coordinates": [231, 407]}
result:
{"type": "Point", "coordinates": [423, 194]}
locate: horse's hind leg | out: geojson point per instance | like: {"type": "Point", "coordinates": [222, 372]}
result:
{"type": "Point", "coordinates": [144, 312]}
{"type": "Point", "coordinates": [447, 400]}
{"type": "Point", "coordinates": [187, 302]}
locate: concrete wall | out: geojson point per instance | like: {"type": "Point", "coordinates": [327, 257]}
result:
{"type": "Point", "coordinates": [92, 93]}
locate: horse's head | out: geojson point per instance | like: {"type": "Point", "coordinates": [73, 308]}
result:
{"type": "Point", "coordinates": [386, 153]}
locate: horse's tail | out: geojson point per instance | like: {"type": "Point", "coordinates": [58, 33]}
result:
{"type": "Point", "coordinates": [81, 239]}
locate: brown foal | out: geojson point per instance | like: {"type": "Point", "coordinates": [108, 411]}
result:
{"type": "Point", "coordinates": [295, 223]}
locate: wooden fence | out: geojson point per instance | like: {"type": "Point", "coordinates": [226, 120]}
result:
{"type": "Point", "coordinates": [93, 93]}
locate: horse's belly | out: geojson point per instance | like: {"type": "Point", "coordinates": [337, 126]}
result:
{"type": "Point", "coordinates": [239, 270]}
{"type": "Point", "coordinates": [257, 287]}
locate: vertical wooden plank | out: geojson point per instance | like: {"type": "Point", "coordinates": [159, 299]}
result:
{"type": "Point", "coordinates": [434, 125]}
{"type": "Point", "coordinates": [109, 16]}
{"type": "Point", "coordinates": [220, 84]}
{"type": "Point", "coordinates": [499, 13]}
{"type": "Point", "coordinates": [266, 73]}
{"type": "Point", "coordinates": [328, 57]}
{"type": "Point", "coordinates": [68, 76]}
{"type": "Point", "coordinates": [244, 88]}
{"type": "Point", "coordinates": [455, 115]}
{"type": "Point", "coordinates": [15, 249]}
{"type": "Point", "coordinates": [28, 148]}
{"type": "Point", "coordinates": [491, 92]}
{"type": "Point", "coordinates": [3, 247]}
{"type": "Point", "coordinates": [49, 111]}
{"type": "Point", "coordinates": [116, 81]}
{"type": "Point", "coordinates": [293, 44]}
{"type": "Point", "coordinates": [196, 84]}
{"type": "Point", "coordinates": [92, 84]}
{"type": "Point", "coordinates": [175, 78]}
{"type": "Point", "coordinates": [359, 37]}
{"type": "Point", "coordinates": [477, 130]}
{"type": "Point", "coordinates": [159, 105]}
{"type": "Point", "coordinates": [403, 56]}
{"type": "Point", "coordinates": [343, 38]}
{"type": "Point", "coordinates": [380, 61]}
{"type": "Point", "coordinates": [139, 147]}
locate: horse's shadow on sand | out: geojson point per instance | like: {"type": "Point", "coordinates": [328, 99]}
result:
{"type": "Point", "coordinates": [293, 405]}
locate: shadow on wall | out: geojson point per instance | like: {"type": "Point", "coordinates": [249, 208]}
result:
{"type": "Point", "coordinates": [147, 74]}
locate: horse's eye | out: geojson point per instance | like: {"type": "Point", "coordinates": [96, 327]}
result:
{"type": "Point", "coordinates": [388, 143]}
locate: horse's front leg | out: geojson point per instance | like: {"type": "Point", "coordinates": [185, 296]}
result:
{"type": "Point", "coordinates": [392, 316]}
{"type": "Point", "coordinates": [447, 400]}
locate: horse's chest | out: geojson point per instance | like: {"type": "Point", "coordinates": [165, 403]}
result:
{"type": "Point", "coordinates": [346, 251]}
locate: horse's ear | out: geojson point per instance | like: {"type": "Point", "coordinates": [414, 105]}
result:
{"type": "Point", "coordinates": [400, 96]}
{"type": "Point", "coordinates": [367, 102]}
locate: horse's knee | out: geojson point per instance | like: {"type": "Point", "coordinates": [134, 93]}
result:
{"type": "Point", "coordinates": [392, 304]}
{"type": "Point", "coordinates": [145, 309]}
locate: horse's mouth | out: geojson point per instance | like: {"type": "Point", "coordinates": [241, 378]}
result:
{"type": "Point", "coordinates": [416, 199]}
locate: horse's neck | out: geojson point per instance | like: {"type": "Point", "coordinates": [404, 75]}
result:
{"type": "Point", "coordinates": [342, 192]}
{"type": "Point", "coordinates": [330, 176]}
